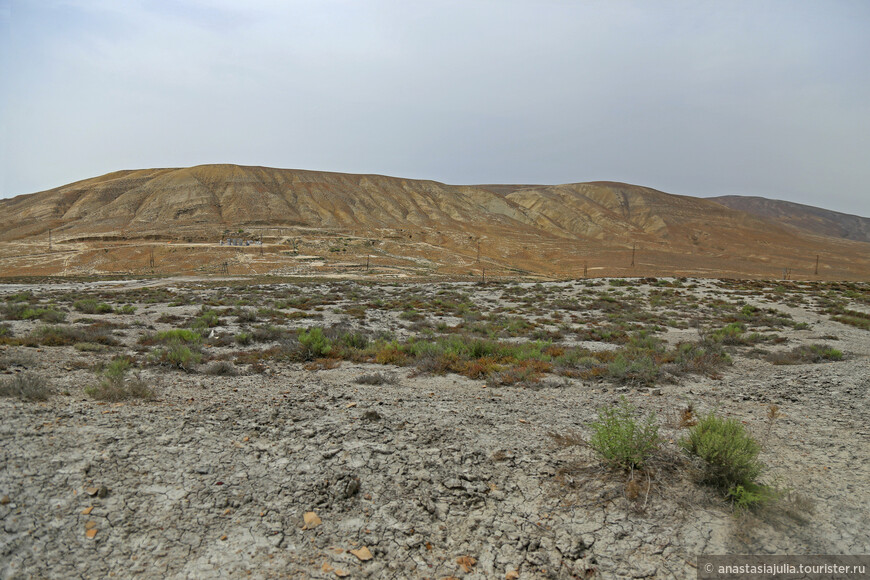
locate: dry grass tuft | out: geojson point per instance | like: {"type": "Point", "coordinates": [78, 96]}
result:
{"type": "Point", "coordinates": [26, 386]}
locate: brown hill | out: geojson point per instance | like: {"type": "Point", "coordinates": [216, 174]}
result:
{"type": "Point", "coordinates": [807, 218]}
{"type": "Point", "coordinates": [174, 221]}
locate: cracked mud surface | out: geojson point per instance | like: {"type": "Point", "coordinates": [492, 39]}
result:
{"type": "Point", "coordinates": [436, 475]}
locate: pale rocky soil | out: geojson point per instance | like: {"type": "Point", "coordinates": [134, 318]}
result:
{"type": "Point", "coordinates": [213, 478]}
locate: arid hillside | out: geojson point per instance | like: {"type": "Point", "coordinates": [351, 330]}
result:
{"type": "Point", "coordinates": [804, 217]}
{"type": "Point", "coordinates": [294, 222]}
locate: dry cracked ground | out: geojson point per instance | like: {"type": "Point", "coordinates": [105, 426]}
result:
{"type": "Point", "coordinates": [430, 430]}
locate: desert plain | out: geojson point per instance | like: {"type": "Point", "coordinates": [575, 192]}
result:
{"type": "Point", "coordinates": [269, 427]}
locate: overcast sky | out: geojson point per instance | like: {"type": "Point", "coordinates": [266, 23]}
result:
{"type": "Point", "coordinates": [768, 98]}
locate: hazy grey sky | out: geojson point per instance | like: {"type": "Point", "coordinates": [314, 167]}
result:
{"type": "Point", "coordinates": [757, 97]}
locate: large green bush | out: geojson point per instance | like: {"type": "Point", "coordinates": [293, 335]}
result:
{"type": "Point", "coordinates": [315, 342]}
{"type": "Point", "coordinates": [623, 440]}
{"type": "Point", "coordinates": [730, 454]}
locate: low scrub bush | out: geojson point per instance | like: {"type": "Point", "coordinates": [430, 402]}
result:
{"type": "Point", "coordinates": [221, 368]}
{"type": "Point", "coordinates": [179, 335]}
{"type": "Point", "coordinates": [347, 338]}
{"type": "Point", "coordinates": [730, 456]}
{"type": "Point", "coordinates": [16, 359]}
{"type": "Point", "coordinates": [268, 333]}
{"type": "Point", "coordinates": [751, 495]}
{"type": "Point", "coordinates": [316, 345]}
{"type": "Point", "coordinates": [814, 353]}
{"type": "Point", "coordinates": [177, 353]}
{"type": "Point", "coordinates": [623, 439]}
{"type": "Point", "coordinates": [391, 353]}
{"type": "Point", "coordinates": [89, 347]}
{"type": "Point", "coordinates": [52, 335]}
{"type": "Point", "coordinates": [634, 368]}
{"type": "Point", "coordinates": [692, 358]}
{"type": "Point", "coordinates": [643, 340]}
{"type": "Point", "coordinates": [91, 306]}
{"type": "Point", "coordinates": [857, 319]}
{"type": "Point", "coordinates": [207, 319]}
{"type": "Point", "coordinates": [377, 379]}
{"type": "Point", "coordinates": [26, 386]}
{"type": "Point", "coordinates": [23, 311]}
{"type": "Point", "coordinates": [729, 334]}
{"type": "Point", "coordinates": [25, 296]}
{"type": "Point", "coordinates": [514, 377]}
{"type": "Point", "coordinates": [733, 334]}
{"type": "Point", "coordinates": [245, 315]}
{"type": "Point", "coordinates": [116, 385]}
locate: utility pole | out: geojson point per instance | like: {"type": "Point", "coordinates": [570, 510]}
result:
{"type": "Point", "coordinates": [151, 259]}
{"type": "Point", "coordinates": [478, 250]}
{"type": "Point", "coordinates": [633, 248]}
{"type": "Point", "coordinates": [817, 264]}
{"type": "Point", "coordinates": [49, 239]}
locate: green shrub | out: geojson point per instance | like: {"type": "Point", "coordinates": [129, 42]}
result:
{"type": "Point", "coordinates": [179, 335]}
{"type": "Point", "coordinates": [692, 358]}
{"type": "Point", "coordinates": [412, 315]}
{"type": "Point", "coordinates": [182, 356]}
{"type": "Point", "coordinates": [315, 342]}
{"type": "Point", "coordinates": [814, 353]}
{"type": "Point", "coordinates": [645, 341]}
{"type": "Point", "coordinates": [244, 338]}
{"type": "Point", "coordinates": [268, 333]}
{"type": "Point", "coordinates": [115, 385]}
{"type": "Point", "coordinates": [730, 454]}
{"type": "Point", "coordinates": [26, 386]}
{"type": "Point", "coordinates": [25, 296]}
{"type": "Point", "coordinates": [356, 340]}
{"type": "Point", "coordinates": [52, 335]}
{"type": "Point", "coordinates": [634, 367]}
{"type": "Point", "coordinates": [91, 306]}
{"type": "Point", "coordinates": [178, 354]}
{"type": "Point", "coordinates": [245, 315]}
{"type": "Point", "coordinates": [207, 319]}
{"type": "Point", "coordinates": [730, 334]}
{"type": "Point", "coordinates": [127, 309]}
{"type": "Point", "coordinates": [117, 368]}
{"type": "Point", "coordinates": [621, 439]}
{"type": "Point", "coordinates": [55, 336]}
{"type": "Point", "coordinates": [22, 311]}
{"type": "Point", "coordinates": [751, 495]}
